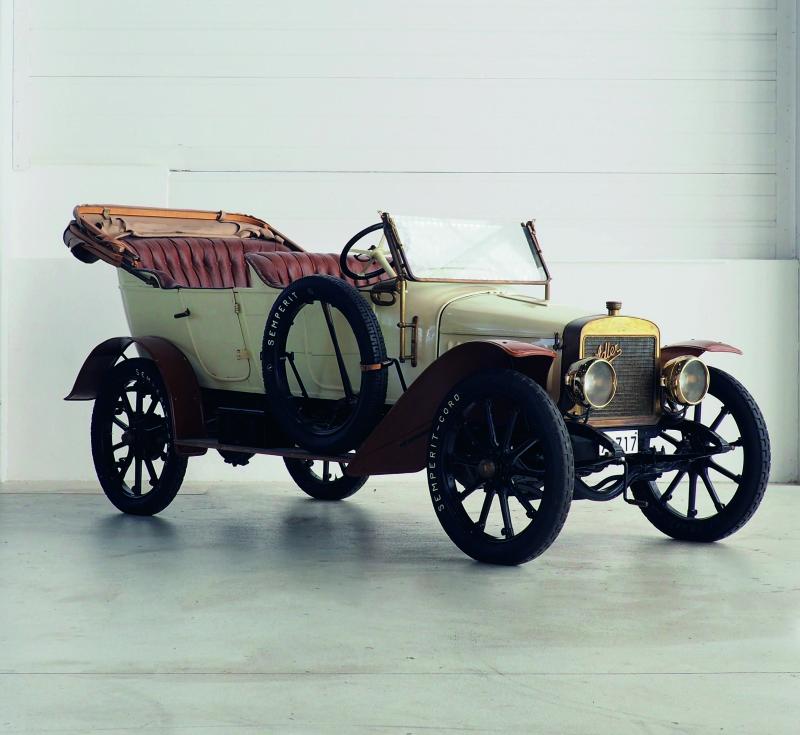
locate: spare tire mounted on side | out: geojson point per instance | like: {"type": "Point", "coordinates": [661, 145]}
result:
{"type": "Point", "coordinates": [330, 425]}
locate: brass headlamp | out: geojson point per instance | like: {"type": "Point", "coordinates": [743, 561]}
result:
{"type": "Point", "coordinates": [686, 380]}
{"type": "Point", "coordinates": [593, 382]}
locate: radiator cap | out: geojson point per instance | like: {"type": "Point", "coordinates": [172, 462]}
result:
{"type": "Point", "coordinates": [613, 307]}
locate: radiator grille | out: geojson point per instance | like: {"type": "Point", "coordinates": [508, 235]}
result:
{"type": "Point", "coordinates": [636, 375]}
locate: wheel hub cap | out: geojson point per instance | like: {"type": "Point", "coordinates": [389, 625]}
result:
{"type": "Point", "coordinates": [148, 436]}
{"type": "Point", "coordinates": [487, 468]}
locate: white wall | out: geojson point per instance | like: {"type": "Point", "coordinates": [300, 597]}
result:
{"type": "Point", "coordinates": [6, 210]}
{"type": "Point", "coordinates": [653, 141]}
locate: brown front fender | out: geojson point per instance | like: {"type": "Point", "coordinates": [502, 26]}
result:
{"type": "Point", "coordinates": [695, 347]}
{"type": "Point", "coordinates": [179, 379]}
{"type": "Point", "coordinates": [399, 442]}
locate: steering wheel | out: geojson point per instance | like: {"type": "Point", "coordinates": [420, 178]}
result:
{"type": "Point", "coordinates": [378, 254]}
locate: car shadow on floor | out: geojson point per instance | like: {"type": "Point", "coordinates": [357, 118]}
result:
{"type": "Point", "coordinates": [116, 526]}
{"type": "Point", "coordinates": [352, 531]}
{"type": "Point", "coordinates": [293, 529]}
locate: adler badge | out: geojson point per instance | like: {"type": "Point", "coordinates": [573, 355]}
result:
{"type": "Point", "coordinates": [608, 351]}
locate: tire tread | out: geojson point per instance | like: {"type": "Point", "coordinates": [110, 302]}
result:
{"type": "Point", "coordinates": [503, 553]}
{"type": "Point", "coordinates": [159, 498]}
{"type": "Point", "coordinates": [684, 530]}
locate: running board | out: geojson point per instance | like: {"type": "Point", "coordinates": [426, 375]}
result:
{"type": "Point", "coordinates": [293, 452]}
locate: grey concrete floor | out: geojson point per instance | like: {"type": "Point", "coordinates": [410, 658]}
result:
{"type": "Point", "coordinates": [245, 609]}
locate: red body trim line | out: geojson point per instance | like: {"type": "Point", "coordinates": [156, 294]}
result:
{"type": "Point", "coordinates": [695, 347]}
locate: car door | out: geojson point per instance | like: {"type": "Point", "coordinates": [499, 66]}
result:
{"type": "Point", "coordinates": [212, 316]}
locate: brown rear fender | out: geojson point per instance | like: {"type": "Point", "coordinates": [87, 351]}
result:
{"type": "Point", "coordinates": [695, 347]}
{"type": "Point", "coordinates": [399, 442]}
{"type": "Point", "coordinates": [176, 372]}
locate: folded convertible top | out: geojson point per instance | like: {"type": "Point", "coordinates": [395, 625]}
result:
{"type": "Point", "coordinates": [101, 231]}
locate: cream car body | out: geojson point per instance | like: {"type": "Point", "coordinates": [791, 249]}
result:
{"type": "Point", "coordinates": [222, 335]}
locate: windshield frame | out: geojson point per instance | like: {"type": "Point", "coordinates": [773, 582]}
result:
{"type": "Point", "coordinates": [403, 267]}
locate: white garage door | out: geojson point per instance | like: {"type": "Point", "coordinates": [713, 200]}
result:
{"type": "Point", "coordinates": [644, 126]}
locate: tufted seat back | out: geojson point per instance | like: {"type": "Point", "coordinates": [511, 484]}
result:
{"type": "Point", "coordinates": [279, 269]}
{"type": "Point", "coordinates": [200, 262]}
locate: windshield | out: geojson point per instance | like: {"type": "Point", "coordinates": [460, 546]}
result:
{"type": "Point", "coordinates": [469, 250]}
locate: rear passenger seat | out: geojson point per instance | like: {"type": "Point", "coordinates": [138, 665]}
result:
{"type": "Point", "coordinates": [221, 262]}
{"type": "Point", "coordinates": [200, 262]}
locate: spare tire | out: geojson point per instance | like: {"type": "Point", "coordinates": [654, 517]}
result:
{"type": "Point", "coordinates": [325, 425]}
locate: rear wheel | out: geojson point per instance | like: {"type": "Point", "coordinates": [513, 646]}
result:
{"type": "Point", "coordinates": [132, 448]}
{"type": "Point", "coordinates": [500, 467]}
{"type": "Point", "coordinates": [322, 479]}
{"type": "Point", "coordinates": [713, 498]}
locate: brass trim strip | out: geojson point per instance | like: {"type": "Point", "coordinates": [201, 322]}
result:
{"type": "Point", "coordinates": [107, 210]}
{"type": "Point", "coordinates": [611, 423]}
{"type": "Point", "coordinates": [621, 326]}
{"type": "Point", "coordinates": [403, 325]}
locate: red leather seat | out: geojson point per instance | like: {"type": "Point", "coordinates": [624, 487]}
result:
{"type": "Point", "coordinates": [200, 262]}
{"type": "Point", "coordinates": [279, 269]}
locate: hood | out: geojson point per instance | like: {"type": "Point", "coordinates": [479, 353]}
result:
{"type": "Point", "coordinates": [504, 315]}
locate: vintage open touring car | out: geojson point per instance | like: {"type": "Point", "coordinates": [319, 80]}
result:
{"type": "Point", "coordinates": [424, 345]}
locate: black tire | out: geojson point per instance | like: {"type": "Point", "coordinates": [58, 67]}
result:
{"type": "Point", "coordinates": [319, 482]}
{"type": "Point", "coordinates": [364, 408]}
{"type": "Point", "coordinates": [739, 415]}
{"type": "Point", "coordinates": [131, 439]}
{"type": "Point", "coordinates": [526, 456]}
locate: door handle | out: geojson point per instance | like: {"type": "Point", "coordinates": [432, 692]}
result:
{"type": "Point", "coordinates": [182, 314]}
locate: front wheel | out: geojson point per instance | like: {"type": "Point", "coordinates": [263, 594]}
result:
{"type": "Point", "coordinates": [132, 448]}
{"type": "Point", "coordinates": [713, 498]}
{"type": "Point", "coordinates": [500, 467]}
{"type": "Point", "coordinates": [322, 479]}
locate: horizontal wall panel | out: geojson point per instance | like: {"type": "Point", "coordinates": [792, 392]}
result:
{"type": "Point", "coordinates": [719, 17]}
{"type": "Point", "coordinates": [579, 216]}
{"type": "Point", "coordinates": [390, 53]}
{"type": "Point", "coordinates": [705, 106]}
{"type": "Point", "coordinates": [438, 125]}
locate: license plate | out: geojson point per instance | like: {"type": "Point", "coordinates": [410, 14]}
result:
{"type": "Point", "coordinates": [628, 440]}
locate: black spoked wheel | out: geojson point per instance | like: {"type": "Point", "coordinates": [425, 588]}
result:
{"type": "Point", "coordinates": [500, 467]}
{"type": "Point", "coordinates": [322, 479]}
{"type": "Point", "coordinates": [132, 445]}
{"type": "Point", "coordinates": [323, 360]}
{"type": "Point", "coordinates": [714, 497]}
